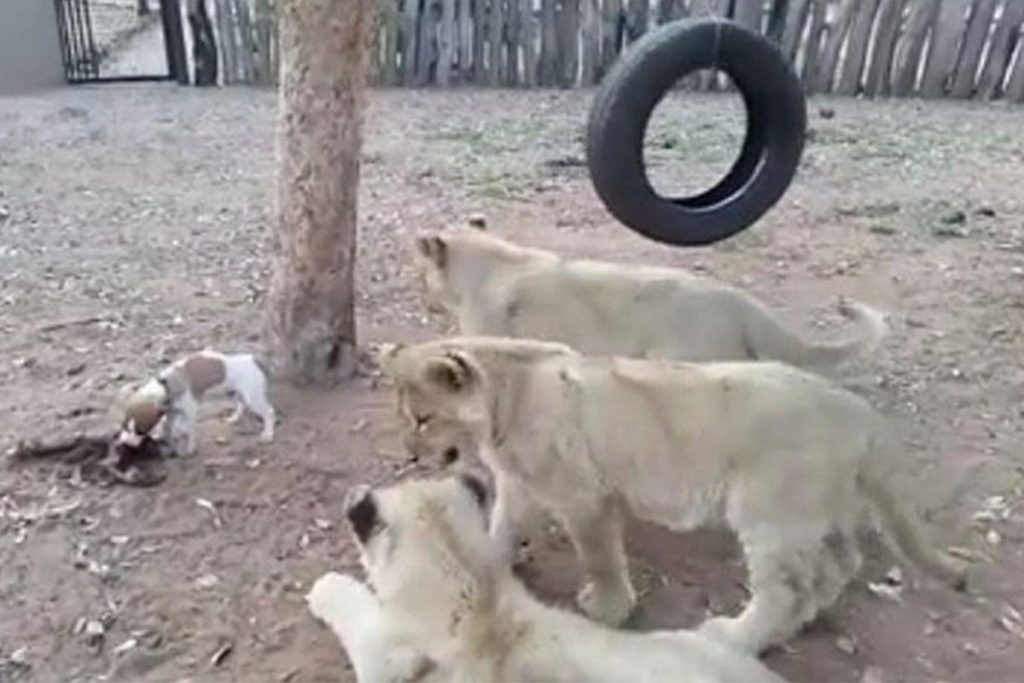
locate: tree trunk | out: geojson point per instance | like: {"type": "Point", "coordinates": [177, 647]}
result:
{"type": "Point", "coordinates": [834, 46]}
{"type": "Point", "coordinates": [245, 41]}
{"type": "Point", "coordinates": [389, 71]}
{"type": "Point", "coordinates": [427, 53]}
{"type": "Point", "coordinates": [512, 21]}
{"type": "Point", "coordinates": [949, 29]}
{"type": "Point", "coordinates": [142, 7]}
{"type": "Point", "coordinates": [911, 48]}
{"type": "Point", "coordinates": [324, 54]}
{"type": "Point", "coordinates": [701, 9]}
{"type": "Point", "coordinates": [446, 42]}
{"type": "Point", "coordinates": [890, 16]}
{"type": "Point", "coordinates": [813, 47]}
{"type": "Point", "coordinates": [974, 43]}
{"type": "Point", "coordinates": [479, 40]}
{"type": "Point", "coordinates": [857, 50]}
{"type": "Point", "coordinates": [991, 82]}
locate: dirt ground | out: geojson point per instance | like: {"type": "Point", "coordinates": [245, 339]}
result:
{"type": "Point", "coordinates": [134, 227]}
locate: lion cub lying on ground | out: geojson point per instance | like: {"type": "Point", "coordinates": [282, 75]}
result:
{"type": "Point", "coordinates": [495, 287]}
{"type": "Point", "coordinates": [782, 456]}
{"type": "Point", "coordinates": [441, 609]}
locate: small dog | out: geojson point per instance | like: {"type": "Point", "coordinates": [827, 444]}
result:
{"type": "Point", "coordinates": [172, 398]}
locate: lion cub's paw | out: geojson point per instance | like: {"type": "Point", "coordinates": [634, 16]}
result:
{"type": "Point", "coordinates": [609, 605]}
{"type": "Point", "coordinates": [329, 594]}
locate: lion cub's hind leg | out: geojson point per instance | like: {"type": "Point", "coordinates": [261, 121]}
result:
{"type": "Point", "coordinates": [782, 600]}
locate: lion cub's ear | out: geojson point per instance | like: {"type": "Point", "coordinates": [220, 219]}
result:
{"type": "Point", "coordinates": [452, 372]}
{"type": "Point", "coordinates": [433, 248]}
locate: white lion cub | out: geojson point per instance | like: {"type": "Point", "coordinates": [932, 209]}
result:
{"type": "Point", "coordinates": [440, 608]}
{"type": "Point", "coordinates": [786, 459]}
{"type": "Point", "coordinates": [495, 287]}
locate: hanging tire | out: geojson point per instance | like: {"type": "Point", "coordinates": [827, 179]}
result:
{"type": "Point", "coordinates": [772, 146]}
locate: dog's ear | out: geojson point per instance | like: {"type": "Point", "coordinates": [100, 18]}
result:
{"type": "Point", "coordinates": [453, 372]}
{"type": "Point", "coordinates": [433, 248]}
{"type": "Point", "coordinates": [361, 511]}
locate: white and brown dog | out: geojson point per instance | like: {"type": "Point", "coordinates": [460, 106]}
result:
{"type": "Point", "coordinates": [171, 399]}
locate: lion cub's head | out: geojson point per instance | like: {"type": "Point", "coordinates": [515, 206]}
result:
{"type": "Point", "coordinates": [442, 404]}
{"type": "Point", "coordinates": [423, 543]}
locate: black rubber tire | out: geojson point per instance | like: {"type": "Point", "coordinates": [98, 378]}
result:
{"type": "Point", "coordinates": [774, 141]}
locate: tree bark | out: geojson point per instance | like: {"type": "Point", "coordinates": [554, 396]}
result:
{"type": "Point", "coordinates": [911, 48]}
{"type": "Point", "coordinates": [324, 54]}
{"type": "Point", "coordinates": [991, 81]}
{"type": "Point", "coordinates": [637, 19]}
{"type": "Point", "coordinates": [496, 24]}
{"type": "Point", "coordinates": [548, 68]}
{"type": "Point", "coordinates": [974, 43]}
{"type": "Point", "coordinates": [204, 46]}
{"type": "Point", "coordinates": [611, 35]}
{"type": "Point", "coordinates": [949, 29]}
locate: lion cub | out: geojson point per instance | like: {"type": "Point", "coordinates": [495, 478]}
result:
{"type": "Point", "coordinates": [439, 608]}
{"type": "Point", "coordinates": [495, 287]}
{"type": "Point", "coordinates": [783, 457]}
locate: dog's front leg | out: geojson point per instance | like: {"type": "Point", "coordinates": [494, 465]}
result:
{"type": "Point", "coordinates": [354, 614]}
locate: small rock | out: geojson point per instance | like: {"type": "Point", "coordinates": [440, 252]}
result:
{"type": "Point", "coordinates": [94, 631]}
{"type": "Point", "coordinates": [846, 645]}
{"type": "Point", "coordinates": [971, 649]}
{"type": "Point", "coordinates": [323, 524]}
{"type": "Point", "coordinates": [478, 221]}
{"type": "Point", "coordinates": [894, 576]}
{"type": "Point", "coordinates": [872, 674]}
{"type": "Point", "coordinates": [76, 370]}
{"type": "Point", "coordinates": [956, 217]}
{"type": "Point", "coordinates": [886, 591]}
{"type": "Point", "coordinates": [986, 211]}
{"type": "Point", "coordinates": [882, 230]}
{"type": "Point", "coordinates": [359, 425]}
{"type": "Point", "coordinates": [19, 657]}
{"type": "Point", "coordinates": [127, 645]}
{"type": "Point", "coordinates": [993, 537]}
{"type": "Point", "coordinates": [950, 230]}
{"type": "Point", "coordinates": [207, 581]}
{"type": "Point", "coordinates": [827, 113]}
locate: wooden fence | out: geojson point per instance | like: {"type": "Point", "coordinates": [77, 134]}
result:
{"type": "Point", "coordinates": [928, 48]}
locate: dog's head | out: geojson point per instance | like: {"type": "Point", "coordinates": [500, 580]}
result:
{"type": "Point", "coordinates": [423, 543]}
{"type": "Point", "coordinates": [144, 408]}
{"type": "Point", "coordinates": [441, 402]}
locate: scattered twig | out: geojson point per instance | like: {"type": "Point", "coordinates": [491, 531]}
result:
{"type": "Point", "coordinates": [76, 322]}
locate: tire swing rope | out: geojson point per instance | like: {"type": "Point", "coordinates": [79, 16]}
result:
{"type": "Point", "coordinates": [640, 79]}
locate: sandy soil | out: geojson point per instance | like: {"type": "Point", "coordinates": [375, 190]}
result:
{"type": "Point", "coordinates": [134, 227]}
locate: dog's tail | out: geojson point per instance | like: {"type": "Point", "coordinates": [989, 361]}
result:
{"type": "Point", "coordinates": [768, 339]}
{"type": "Point", "coordinates": [904, 531]}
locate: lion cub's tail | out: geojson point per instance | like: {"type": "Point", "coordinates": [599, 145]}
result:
{"type": "Point", "coordinates": [905, 531]}
{"type": "Point", "coordinates": [769, 339]}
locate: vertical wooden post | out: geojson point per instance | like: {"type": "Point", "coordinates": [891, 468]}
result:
{"type": "Point", "coordinates": [324, 55]}
{"type": "Point", "coordinates": [911, 47]}
{"type": "Point", "coordinates": [944, 54]}
{"type": "Point", "coordinates": [1001, 50]}
{"type": "Point", "coordinates": [974, 43]}
{"type": "Point", "coordinates": [446, 42]}
{"type": "Point", "coordinates": [496, 24]}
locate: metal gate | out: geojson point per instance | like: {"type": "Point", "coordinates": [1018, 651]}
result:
{"type": "Point", "coordinates": [90, 31]}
